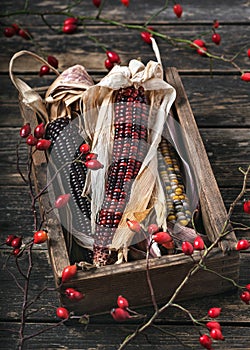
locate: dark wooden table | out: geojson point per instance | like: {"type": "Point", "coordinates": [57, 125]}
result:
{"type": "Point", "coordinates": [221, 107]}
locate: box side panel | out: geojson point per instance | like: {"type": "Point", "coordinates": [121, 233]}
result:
{"type": "Point", "coordinates": [213, 209]}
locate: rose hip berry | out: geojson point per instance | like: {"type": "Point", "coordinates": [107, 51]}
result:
{"type": "Point", "coordinates": [199, 42]}
{"type": "Point", "coordinates": [153, 228]}
{"type": "Point", "coordinates": [24, 34]}
{"type": "Point", "coordinates": [69, 28]}
{"type": "Point", "coordinates": [213, 324]}
{"type": "Point", "coordinates": [70, 20]}
{"type": "Point", "coordinates": [216, 38]}
{"type": "Point", "coordinates": [15, 27]}
{"type": "Point", "coordinates": [62, 200]}
{"type": "Point", "coordinates": [122, 302]}
{"type": "Point", "coordinates": [162, 237]}
{"type": "Point", "coordinates": [9, 239]}
{"type": "Point", "coordinates": [43, 145]}
{"type": "Point", "coordinates": [31, 140]}
{"type": "Point", "coordinates": [113, 57]}
{"type": "Point", "coordinates": [246, 206]}
{"type": "Point", "coordinates": [68, 272]}
{"type": "Point", "coordinates": [206, 341]}
{"type": "Point", "coordinates": [40, 237]}
{"type": "Point", "coordinates": [187, 248]}
{"type": "Point", "coordinates": [248, 287]}
{"type": "Point", "coordinates": [202, 51]}
{"type": "Point", "coordinates": [134, 225]}
{"type": "Point", "coordinates": [214, 312]}
{"type": "Point", "coordinates": [198, 243]}
{"type": "Point", "coordinates": [120, 314]}
{"type": "Point", "coordinates": [97, 3]}
{"type": "Point", "coordinates": [216, 334]}
{"type": "Point", "coordinates": [216, 24]}
{"type": "Point", "coordinates": [44, 70]}
{"type": "Point", "coordinates": [39, 131]}
{"type": "Point", "coordinates": [245, 296]}
{"type": "Point", "coordinates": [84, 148]}
{"type": "Point", "coordinates": [53, 61]}
{"type": "Point", "coordinates": [108, 64]}
{"type": "Point", "coordinates": [245, 76]}
{"type": "Point", "coordinates": [146, 36]}
{"type": "Point", "coordinates": [62, 312]}
{"type": "Point", "coordinates": [242, 244]}
{"type": "Point", "coordinates": [16, 252]}
{"type": "Point", "coordinates": [125, 2]}
{"type": "Point", "coordinates": [9, 32]}
{"type": "Point", "coordinates": [90, 156]}
{"type": "Point", "coordinates": [16, 242]}
{"type": "Point", "coordinates": [93, 164]}
{"type": "Point", "coordinates": [178, 10]}
{"type": "Point", "coordinates": [25, 130]}
{"type": "Point", "coordinates": [73, 294]}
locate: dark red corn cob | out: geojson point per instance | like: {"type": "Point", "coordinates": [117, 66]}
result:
{"type": "Point", "coordinates": [129, 149]}
{"type": "Point", "coordinates": [66, 139]}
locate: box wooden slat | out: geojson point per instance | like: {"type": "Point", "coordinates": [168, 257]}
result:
{"type": "Point", "coordinates": [102, 286]}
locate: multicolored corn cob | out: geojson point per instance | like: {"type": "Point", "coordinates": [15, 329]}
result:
{"type": "Point", "coordinates": [66, 140]}
{"type": "Point", "coordinates": [129, 150]}
{"type": "Point", "coordinates": [170, 173]}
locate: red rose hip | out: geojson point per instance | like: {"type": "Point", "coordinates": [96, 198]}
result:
{"type": "Point", "coordinates": [68, 272]}
{"type": "Point", "coordinates": [39, 131]}
{"type": "Point", "coordinates": [43, 145]}
{"type": "Point", "coordinates": [178, 10]}
{"type": "Point", "coordinates": [25, 130]}
{"type": "Point", "coordinates": [62, 200]}
{"type": "Point", "coordinates": [62, 312]}
{"type": "Point", "coordinates": [40, 237]}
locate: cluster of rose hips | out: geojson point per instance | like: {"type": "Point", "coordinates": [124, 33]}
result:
{"type": "Point", "coordinates": [89, 159]}
{"type": "Point", "coordinates": [45, 69]}
{"type": "Point", "coordinates": [188, 248]}
{"type": "Point", "coordinates": [16, 242]}
{"type": "Point", "coordinates": [16, 30]}
{"type": "Point", "coordinates": [162, 238]}
{"type": "Point", "coordinates": [121, 313]}
{"type": "Point", "coordinates": [72, 294]}
{"type": "Point", "coordinates": [37, 139]}
{"type": "Point", "coordinates": [70, 25]}
{"type": "Point", "coordinates": [245, 295]}
{"type": "Point", "coordinates": [214, 327]}
{"type": "Point", "coordinates": [112, 59]}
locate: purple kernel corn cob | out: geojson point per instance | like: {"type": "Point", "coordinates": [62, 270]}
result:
{"type": "Point", "coordinates": [129, 149]}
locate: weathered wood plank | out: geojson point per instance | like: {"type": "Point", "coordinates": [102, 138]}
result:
{"type": "Point", "coordinates": [106, 337]}
{"type": "Point", "coordinates": [139, 11]}
{"type": "Point", "coordinates": [221, 100]}
{"type": "Point", "coordinates": [42, 276]}
{"type": "Point", "coordinates": [69, 50]}
{"type": "Point", "coordinates": [228, 149]}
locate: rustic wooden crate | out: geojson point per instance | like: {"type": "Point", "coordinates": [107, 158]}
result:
{"type": "Point", "coordinates": [102, 286]}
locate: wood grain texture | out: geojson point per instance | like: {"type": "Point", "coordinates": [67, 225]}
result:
{"type": "Point", "coordinates": [69, 50]}
{"type": "Point", "coordinates": [221, 109]}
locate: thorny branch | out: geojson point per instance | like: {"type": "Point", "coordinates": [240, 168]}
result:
{"type": "Point", "coordinates": [85, 20]}
{"type": "Point", "coordinates": [198, 265]}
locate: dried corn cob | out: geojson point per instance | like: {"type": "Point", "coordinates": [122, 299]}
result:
{"type": "Point", "coordinates": [170, 173]}
{"type": "Point", "coordinates": [129, 150]}
{"type": "Point", "coordinates": [66, 140]}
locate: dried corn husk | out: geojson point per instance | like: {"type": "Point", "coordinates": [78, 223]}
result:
{"type": "Point", "coordinates": [28, 96]}
{"type": "Point", "coordinates": [66, 91]}
{"type": "Point", "coordinates": [146, 192]}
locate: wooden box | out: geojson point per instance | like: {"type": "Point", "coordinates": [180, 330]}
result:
{"type": "Point", "coordinates": [102, 286]}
